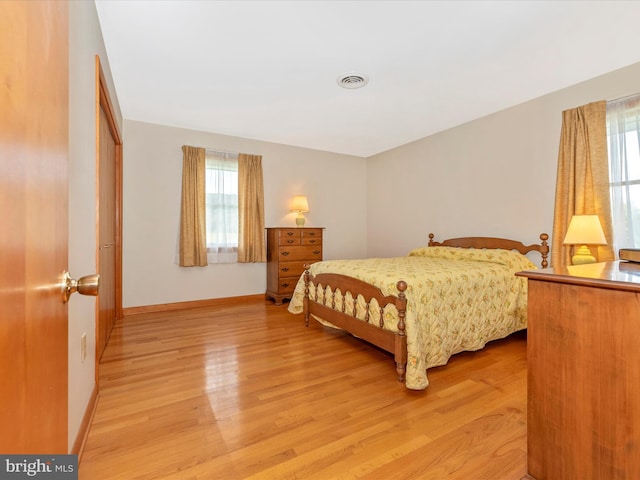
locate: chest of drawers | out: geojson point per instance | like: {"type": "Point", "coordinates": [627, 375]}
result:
{"type": "Point", "coordinates": [583, 355]}
{"type": "Point", "coordinates": [288, 250]}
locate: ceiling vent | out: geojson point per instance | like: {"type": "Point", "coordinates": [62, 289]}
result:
{"type": "Point", "coordinates": [353, 80]}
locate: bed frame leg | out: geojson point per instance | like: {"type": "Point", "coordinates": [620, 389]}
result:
{"type": "Point", "coordinates": [401, 370]}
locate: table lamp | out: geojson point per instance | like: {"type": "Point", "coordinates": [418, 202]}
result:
{"type": "Point", "coordinates": [584, 230]}
{"type": "Point", "coordinates": [300, 205]}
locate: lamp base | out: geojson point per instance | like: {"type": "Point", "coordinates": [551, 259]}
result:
{"type": "Point", "coordinates": [583, 259]}
{"type": "Point", "coordinates": [300, 221]}
{"type": "Point", "coordinates": [582, 256]}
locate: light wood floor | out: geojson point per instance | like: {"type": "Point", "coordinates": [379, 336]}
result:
{"type": "Point", "coordinates": [247, 392]}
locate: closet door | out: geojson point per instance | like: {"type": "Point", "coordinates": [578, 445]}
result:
{"type": "Point", "coordinates": [107, 233]}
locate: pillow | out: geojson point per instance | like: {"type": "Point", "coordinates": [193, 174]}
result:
{"type": "Point", "coordinates": [512, 259]}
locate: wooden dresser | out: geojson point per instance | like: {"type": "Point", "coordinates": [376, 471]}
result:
{"type": "Point", "coordinates": [288, 250]}
{"type": "Point", "coordinates": [583, 353]}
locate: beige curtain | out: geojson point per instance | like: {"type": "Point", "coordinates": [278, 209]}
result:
{"type": "Point", "coordinates": [582, 184]}
{"type": "Point", "coordinates": [251, 243]}
{"type": "Point", "coordinates": [193, 235]}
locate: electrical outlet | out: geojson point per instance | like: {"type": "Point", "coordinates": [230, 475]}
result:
{"type": "Point", "coordinates": [83, 347]}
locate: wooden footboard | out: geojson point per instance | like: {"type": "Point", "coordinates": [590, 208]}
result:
{"type": "Point", "coordinates": [395, 343]}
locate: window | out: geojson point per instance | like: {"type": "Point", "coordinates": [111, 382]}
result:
{"type": "Point", "coordinates": [221, 186]}
{"type": "Point", "coordinates": [623, 123]}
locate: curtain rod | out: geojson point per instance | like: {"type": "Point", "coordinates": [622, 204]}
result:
{"type": "Point", "coordinates": [224, 152]}
{"type": "Point", "coordinates": [216, 150]}
{"type": "Point", "coordinates": [625, 98]}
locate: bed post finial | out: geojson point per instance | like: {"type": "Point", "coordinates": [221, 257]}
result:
{"type": "Point", "coordinates": [431, 237]}
{"type": "Point", "coordinates": [545, 249]}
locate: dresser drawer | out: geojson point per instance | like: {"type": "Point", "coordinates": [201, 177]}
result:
{"type": "Point", "coordinates": [287, 285]}
{"type": "Point", "coordinates": [311, 240]}
{"type": "Point", "coordinates": [311, 234]}
{"type": "Point", "coordinates": [290, 241]}
{"type": "Point", "coordinates": [289, 236]}
{"type": "Point", "coordinates": [289, 254]}
{"type": "Point", "coordinates": [291, 269]}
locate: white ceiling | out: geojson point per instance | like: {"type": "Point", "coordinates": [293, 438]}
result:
{"type": "Point", "coordinates": [267, 70]}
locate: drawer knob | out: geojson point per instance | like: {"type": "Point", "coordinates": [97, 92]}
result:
{"type": "Point", "coordinates": [290, 233]}
{"type": "Point", "coordinates": [285, 269]}
{"type": "Point", "coordinates": [289, 241]}
{"type": "Point", "coordinates": [316, 252]}
{"type": "Point", "coordinates": [285, 253]}
{"type": "Point", "coordinates": [285, 285]}
{"type": "Point", "coordinates": [312, 241]}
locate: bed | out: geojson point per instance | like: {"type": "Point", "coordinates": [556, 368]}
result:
{"type": "Point", "coordinates": [448, 297]}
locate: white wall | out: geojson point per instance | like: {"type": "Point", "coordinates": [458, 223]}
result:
{"type": "Point", "coordinates": [85, 41]}
{"type": "Point", "coordinates": [494, 176]}
{"type": "Point", "coordinates": [335, 185]}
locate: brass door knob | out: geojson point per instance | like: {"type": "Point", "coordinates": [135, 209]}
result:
{"type": "Point", "coordinates": [87, 285]}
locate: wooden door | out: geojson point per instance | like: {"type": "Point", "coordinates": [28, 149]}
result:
{"type": "Point", "coordinates": [33, 226]}
{"type": "Point", "coordinates": [107, 237]}
{"type": "Point", "coordinates": [109, 207]}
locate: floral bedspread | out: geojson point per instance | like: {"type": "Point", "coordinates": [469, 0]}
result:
{"type": "Point", "coordinates": [458, 299]}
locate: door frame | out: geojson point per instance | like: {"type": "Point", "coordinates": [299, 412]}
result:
{"type": "Point", "coordinates": [103, 99]}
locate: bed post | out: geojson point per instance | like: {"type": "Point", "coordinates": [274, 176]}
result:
{"type": "Point", "coordinates": [544, 251]}
{"type": "Point", "coordinates": [400, 353]}
{"type": "Point", "coordinates": [305, 301]}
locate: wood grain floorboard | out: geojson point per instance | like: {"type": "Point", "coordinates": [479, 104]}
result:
{"type": "Point", "coordinates": [247, 392]}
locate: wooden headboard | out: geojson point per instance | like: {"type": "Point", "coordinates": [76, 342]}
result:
{"type": "Point", "coordinates": [491, 242]}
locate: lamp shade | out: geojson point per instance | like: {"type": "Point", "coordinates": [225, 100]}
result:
{"type": "Point", "coordinates": [299, 204]}
{"type": "Point", "coordinates": [585, 230]}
